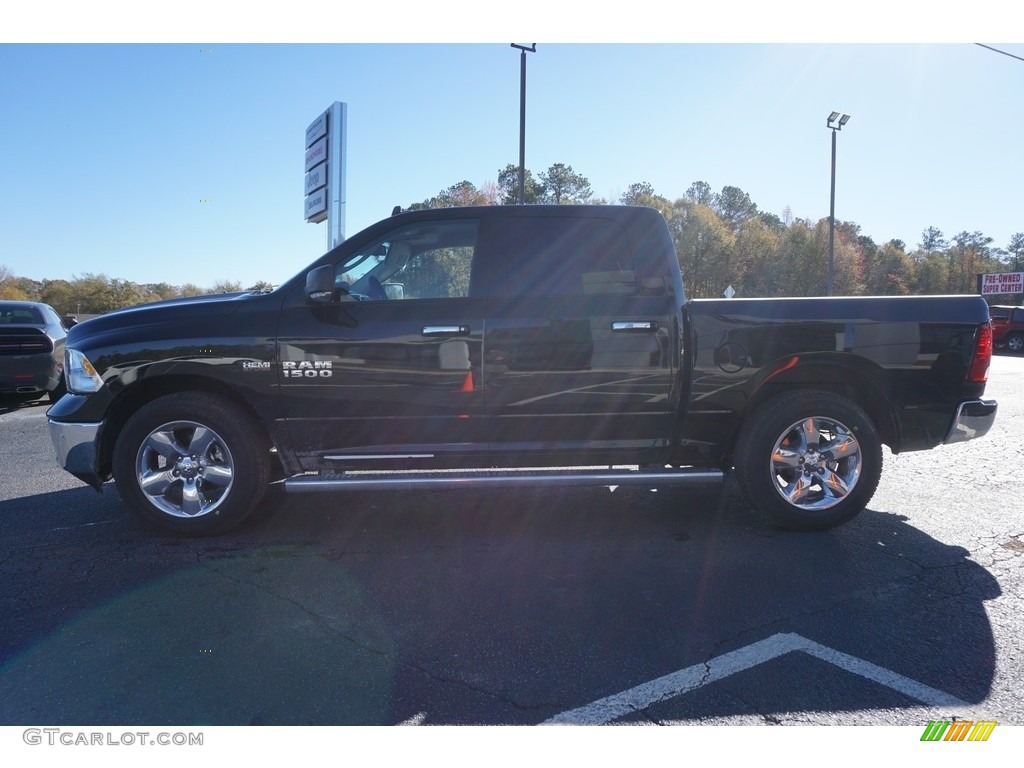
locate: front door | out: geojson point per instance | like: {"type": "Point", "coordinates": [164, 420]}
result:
{"type": "Point", "coordinates": [383, 376]}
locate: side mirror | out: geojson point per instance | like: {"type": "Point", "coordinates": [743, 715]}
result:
{"type": "Point", "coordinates": [320, 284]}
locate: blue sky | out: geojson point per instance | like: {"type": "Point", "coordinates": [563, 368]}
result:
{"type": "Point", "coordinates": [106, 151]}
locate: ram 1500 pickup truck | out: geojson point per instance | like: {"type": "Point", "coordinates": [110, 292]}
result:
{"type": "Point", "coordinates": [520, 345]}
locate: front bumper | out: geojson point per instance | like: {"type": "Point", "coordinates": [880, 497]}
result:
{"type": "Point", "coordinates": [77, 447]}
{"type": "Point", "coordinates": [973, 419]}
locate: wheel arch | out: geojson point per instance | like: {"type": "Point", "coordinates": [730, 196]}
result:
{"type": "Point", "coordinates": [150, 389]}
{"type": "Point", "coordinates": [857, 381]}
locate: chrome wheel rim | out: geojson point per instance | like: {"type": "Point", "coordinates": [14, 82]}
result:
{"type": "Point", "coordinates": [1016, 343]}
{"type": "Point", "coordinates": [184, 469]}
{"type": "Point", "coordinates": [816, 463]}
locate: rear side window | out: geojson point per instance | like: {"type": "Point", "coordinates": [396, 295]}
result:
{"type": "Point", "coordinates": [557, 257]}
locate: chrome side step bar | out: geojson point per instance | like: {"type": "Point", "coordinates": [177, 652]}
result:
{"type": "Point", "coordinates": [528, 478]}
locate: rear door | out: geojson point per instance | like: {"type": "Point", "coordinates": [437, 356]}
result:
{"type": "Point", "coordinates": [577, 352]}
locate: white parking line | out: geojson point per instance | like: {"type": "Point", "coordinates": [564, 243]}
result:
{"type": "Point", "coordinates": [685, 680]}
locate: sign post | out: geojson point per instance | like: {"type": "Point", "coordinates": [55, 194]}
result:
{"type": "Point", "coordinates": [325, 166]}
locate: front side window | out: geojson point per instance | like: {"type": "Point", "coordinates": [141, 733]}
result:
{"type": "Point", "coordinates": [428, 260]}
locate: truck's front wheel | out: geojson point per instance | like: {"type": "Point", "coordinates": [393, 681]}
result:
{"type": "Point", "coordinates": [191, 463]}
{"type": "Point", "coordinates": [809, 460]}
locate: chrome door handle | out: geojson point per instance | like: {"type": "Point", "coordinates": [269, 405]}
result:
{"type": "Point", "coordinates": [634, 325]}
{"type": "Point", "coordinates": [446, 330]}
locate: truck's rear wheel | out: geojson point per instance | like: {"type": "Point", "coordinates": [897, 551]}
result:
{"type": "Point", "coordinates": [191, 463]}
{"type": "Point", "coordinates": [809, 460]}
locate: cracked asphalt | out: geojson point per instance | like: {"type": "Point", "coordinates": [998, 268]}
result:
{"type": "Point", "coordinates": [511, 607]}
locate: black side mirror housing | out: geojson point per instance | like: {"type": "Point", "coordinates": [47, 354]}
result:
{"type": "Point", "coordinates": [320, 285]}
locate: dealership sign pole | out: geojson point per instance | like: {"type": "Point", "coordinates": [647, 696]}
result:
{"type": "Point", "coordinates": [325, 166]}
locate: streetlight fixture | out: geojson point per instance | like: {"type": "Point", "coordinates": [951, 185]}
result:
{"type": "Point", "coordinates": [531, 48]}
{"type": "Point", "coordinates": [842, 120]}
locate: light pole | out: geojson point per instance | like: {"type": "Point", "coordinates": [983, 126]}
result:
{"type": "Point", "coordinates": [843, 120]}
{"type": "Point", "coordinates": [531, 48]}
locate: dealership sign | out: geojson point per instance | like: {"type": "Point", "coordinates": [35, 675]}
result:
{"type": "Point", "coordinates": [316, 206]}
{"type": "Point", "coordinates": [995, 283]}
{"type": "Point", "coordinates": [317, 129]}
{"type": "Point", "coordinates": [316, 178]}
{"type": "Point", "coordinates": [324, 168]}
{"type": "Point", "coordinates": [316, 154]}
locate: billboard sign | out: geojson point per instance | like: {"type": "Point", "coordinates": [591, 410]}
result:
{"type": "Point", "coordinates": [995, 283]}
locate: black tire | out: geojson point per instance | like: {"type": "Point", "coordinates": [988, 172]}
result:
{"type": "Point", "coordinates": [191, 463]}
{"type": "Point", "coordinates": [1015, 343]}
{"type": "Point", "coordinates": [808, 460]}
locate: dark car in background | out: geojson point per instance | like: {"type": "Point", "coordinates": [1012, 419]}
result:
{"type": "Point", "coordinates": [31, 351]}
{"type": "Point", "coordinates": [1008, 327]}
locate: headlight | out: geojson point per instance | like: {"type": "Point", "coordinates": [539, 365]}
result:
{"type": "Point", "coordinates": [79, 374]}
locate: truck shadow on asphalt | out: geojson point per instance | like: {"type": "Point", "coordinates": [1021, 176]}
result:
{"type": "Point", "coordinates": [10, 405]}
{"type": "Point", "coordinates": [470, 607]}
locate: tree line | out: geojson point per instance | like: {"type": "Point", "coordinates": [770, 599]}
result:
{"type": "Point", "coordinates": [721, 239]}
{"type": "Point", "coordinates": [92, 294]}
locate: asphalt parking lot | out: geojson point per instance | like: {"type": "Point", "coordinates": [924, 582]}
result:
{"type": "Point", "coordinates": [519, 607]}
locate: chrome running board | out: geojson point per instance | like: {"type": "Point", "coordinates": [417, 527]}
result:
{"type": "Point", "coordinates": [413, 480]}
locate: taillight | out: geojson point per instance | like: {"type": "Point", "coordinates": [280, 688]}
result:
{"type": "Point", "coordinates": [25, 344]}
{"type": "Point", "coordinates": [982, 355]}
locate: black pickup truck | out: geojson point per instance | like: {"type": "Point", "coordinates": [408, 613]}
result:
{"type": "Point", "coordinates": [513, 345]}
